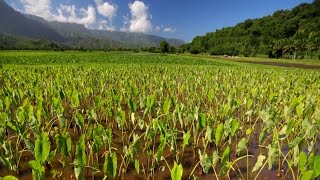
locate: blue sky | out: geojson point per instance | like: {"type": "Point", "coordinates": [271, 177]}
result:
{"type": "Point", "coordinates": [182, 19]}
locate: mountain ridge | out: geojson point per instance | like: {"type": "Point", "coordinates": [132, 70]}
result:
{"type": "Point", "coordinates": [26, 26]}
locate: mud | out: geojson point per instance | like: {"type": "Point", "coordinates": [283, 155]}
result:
{"type": "Point", "coordinates": [280, 64]}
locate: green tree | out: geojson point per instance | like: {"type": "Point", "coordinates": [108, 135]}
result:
{"type": "Point", "coordinates": [164, 47]}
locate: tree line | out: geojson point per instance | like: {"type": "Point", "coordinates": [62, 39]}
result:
{"type": "Point", "coordinates": [285, 34]}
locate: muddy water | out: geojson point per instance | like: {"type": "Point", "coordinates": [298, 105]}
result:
{"type": "Point", "coordinates": [189, 160]}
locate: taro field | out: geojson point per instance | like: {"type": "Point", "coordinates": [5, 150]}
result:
{"type": "Point", "coordinates": [147, 116]}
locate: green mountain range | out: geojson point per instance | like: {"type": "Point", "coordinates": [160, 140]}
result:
{"type": "Point", "coordinates": [27, 31]}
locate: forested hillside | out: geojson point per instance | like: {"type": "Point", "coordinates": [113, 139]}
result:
{"type": "Point", "coordinates": [287, 33]}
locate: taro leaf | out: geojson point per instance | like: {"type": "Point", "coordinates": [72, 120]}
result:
{"type": "Point", "coordinates": [302, 161]}
{"type": "Point", "coordinates": [290, 126]}
{"type": "Point", "coordinates": [38, 115]}
{"type": "Point", "coordinates": [296, 156]}
{"type": "Point", "coordinates": [202, 121]}
{"type": "Point", "coordinates": [210, 95]}
{"type": "Point", "coordinates": [224, 161]}
{"type": "Point", "coordinates": [137, 166]}
{"type": "Point", "coordinates": [35, 165]}
{"type": "Point", "coordinates": [9, 178]}
{"type": "Point", "coordinates": [121, 118]}
{"type": "Point", "coordinates": [265, 116]}
{"type": "Point", "coordinates": [241, 145]}
{"type": "Point", "coordinates": [75, 99]}
{"type": "Point", "coordinates": [262, 135]}
{"type": "Point", "coordinates": [209, 134]}
{"type": "Point", "coordinates": [132, 105]}
{"type": "Point", "coordinates": [150, 101]}
{"type": "Point", "coordinates": [61, 145]}
{"type": "Point", "coordinates": [98, 141]}
{"type": "Point", "coordinates": [37, 170]}
{"type": "Point", "coordinates": [307, 175]}
{"type": "Point", "coordinates": [219, 133]}
{"type": "Point", "coordinates": [295, 142]}
{"type": "Point", "coordinates": [259, 162]}
{"type": "Point", "coordinates": [80, 158]}
{"type": "Point", "coordinates": [162, 145]}
{"type": "Point", "coordinates": [6, 162]}
{"type": "Point", "coordinates": [166, 106]}
{"type": "Point", "coordinates": [28, 144]}
{"type": "Point", "coordinates": [176, 172]}
{"type": "Point", "coordinates": [271, 156]}
{"type": "Point", "coordinates": [205, 162]}
{"type": "Point", "coordinates": [311, 159]}
{"type": "Point", "coordinates": [234, 126]}
{"type": "Point", "coordinates": [300, 109]}
{"type": "Point", "coordinates": [79, 120]}
{"type": "Point", "coordinates": [186, 138]}
{"type": "Point", "coordinates": [64, 144]}
{"type": "Point", "coordinates": [42, 147]}
{"type": "Point", "coordinates": [110, 165]}
{"type": "Point", "coordinates": [283, 131]}
{"type": "Point", "coordinates": [316, 167]}
{"type": "Point", "coordinates": [215, 158]}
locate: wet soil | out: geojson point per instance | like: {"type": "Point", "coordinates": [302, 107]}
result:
{"type": "Point", "coordinates": [293, 65]}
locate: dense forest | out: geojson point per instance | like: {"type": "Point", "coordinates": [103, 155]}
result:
{"type": "Point", "coordinates": [286, 34]}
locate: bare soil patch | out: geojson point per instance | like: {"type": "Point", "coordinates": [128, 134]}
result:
{"type": "Point", "coordinates": [294, 65]}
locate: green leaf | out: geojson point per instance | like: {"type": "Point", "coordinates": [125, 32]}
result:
{"type": "Point", "coordinates": [224, 161]}
{"type": "Point", "coordinates": [79, 120]}
{"type": "Point", "coordinates": [295, 142]}
{"type": "Point", "coordinates": [9, 178]}
{"type": "Point", "coordinates": [110, 165]}
{"type": "Point", "coordinates": [290, 126]}
{"type": "Point", "coordinates": [302, 161]}
{"type": "Point", "coordinates": [137, 166]}
{"type": "Point", "coordinates": [42, 147]}
{"type": "Point", "coordinates": [202, 121]}
{"type": "Point", "coordinates": [311, 159]}
{"type": "Point", "coordinates": [176, 172]}
{"type": "Point", "coordinates": [80, 158]}
{"type": "Point", "coordinates": [241, 145]}
{"type": "Point", "coordinates": [132, 105]}
{"type": "Point", "coordinates": [219, 133]}
{"type": "Point", "coordinates": [209, 134]}
{"type": "Point", "coordinates": [62, 146]}
{"type": "Point", "coordinates": [210, 95]}
{"type": "Point", "coordinates": [186, 138]}
{"type": "Point", "coordinates": [234, 126]}
{"type": "Point", "coordinates": [166, 106]}
{"type": "Point", "coordinates": [36, 166]}
{"type": "Point", "coordinates": [259, 163]}
{"type": "Point", "coordinates": [215, 158]}
{"type": "Point", "coordinates": [205, 162]}
{"type": "Point", "coordinates": [316, 167]}
{"type": "Point", "coordinates": [271, 156]}
{"type": "Point", "coordinates": [307, 175]}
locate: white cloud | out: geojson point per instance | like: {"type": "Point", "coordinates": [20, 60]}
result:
{"type": "Point", "coordinates": [70, 14]}
{"type": "Point", "coordinates": [106, 9]}
{"type": "Point", "coordinates": [157, 29]}
{"type": "Point", "coordinates": [104, 25]}
{"type": "Point", "coordinates": [140, 18]}
{"type": "Point", "coordinates": [169, 29]}
{"type": "Point", "coordinates": [40, 8]}
{"type": "Point", "coordinates": [65, 13]}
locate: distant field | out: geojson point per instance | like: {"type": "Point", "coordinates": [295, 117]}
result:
{"type": "Point", "coordinates": [32, 57]}
{"type": "Point", "coordinates": [142, 116]}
